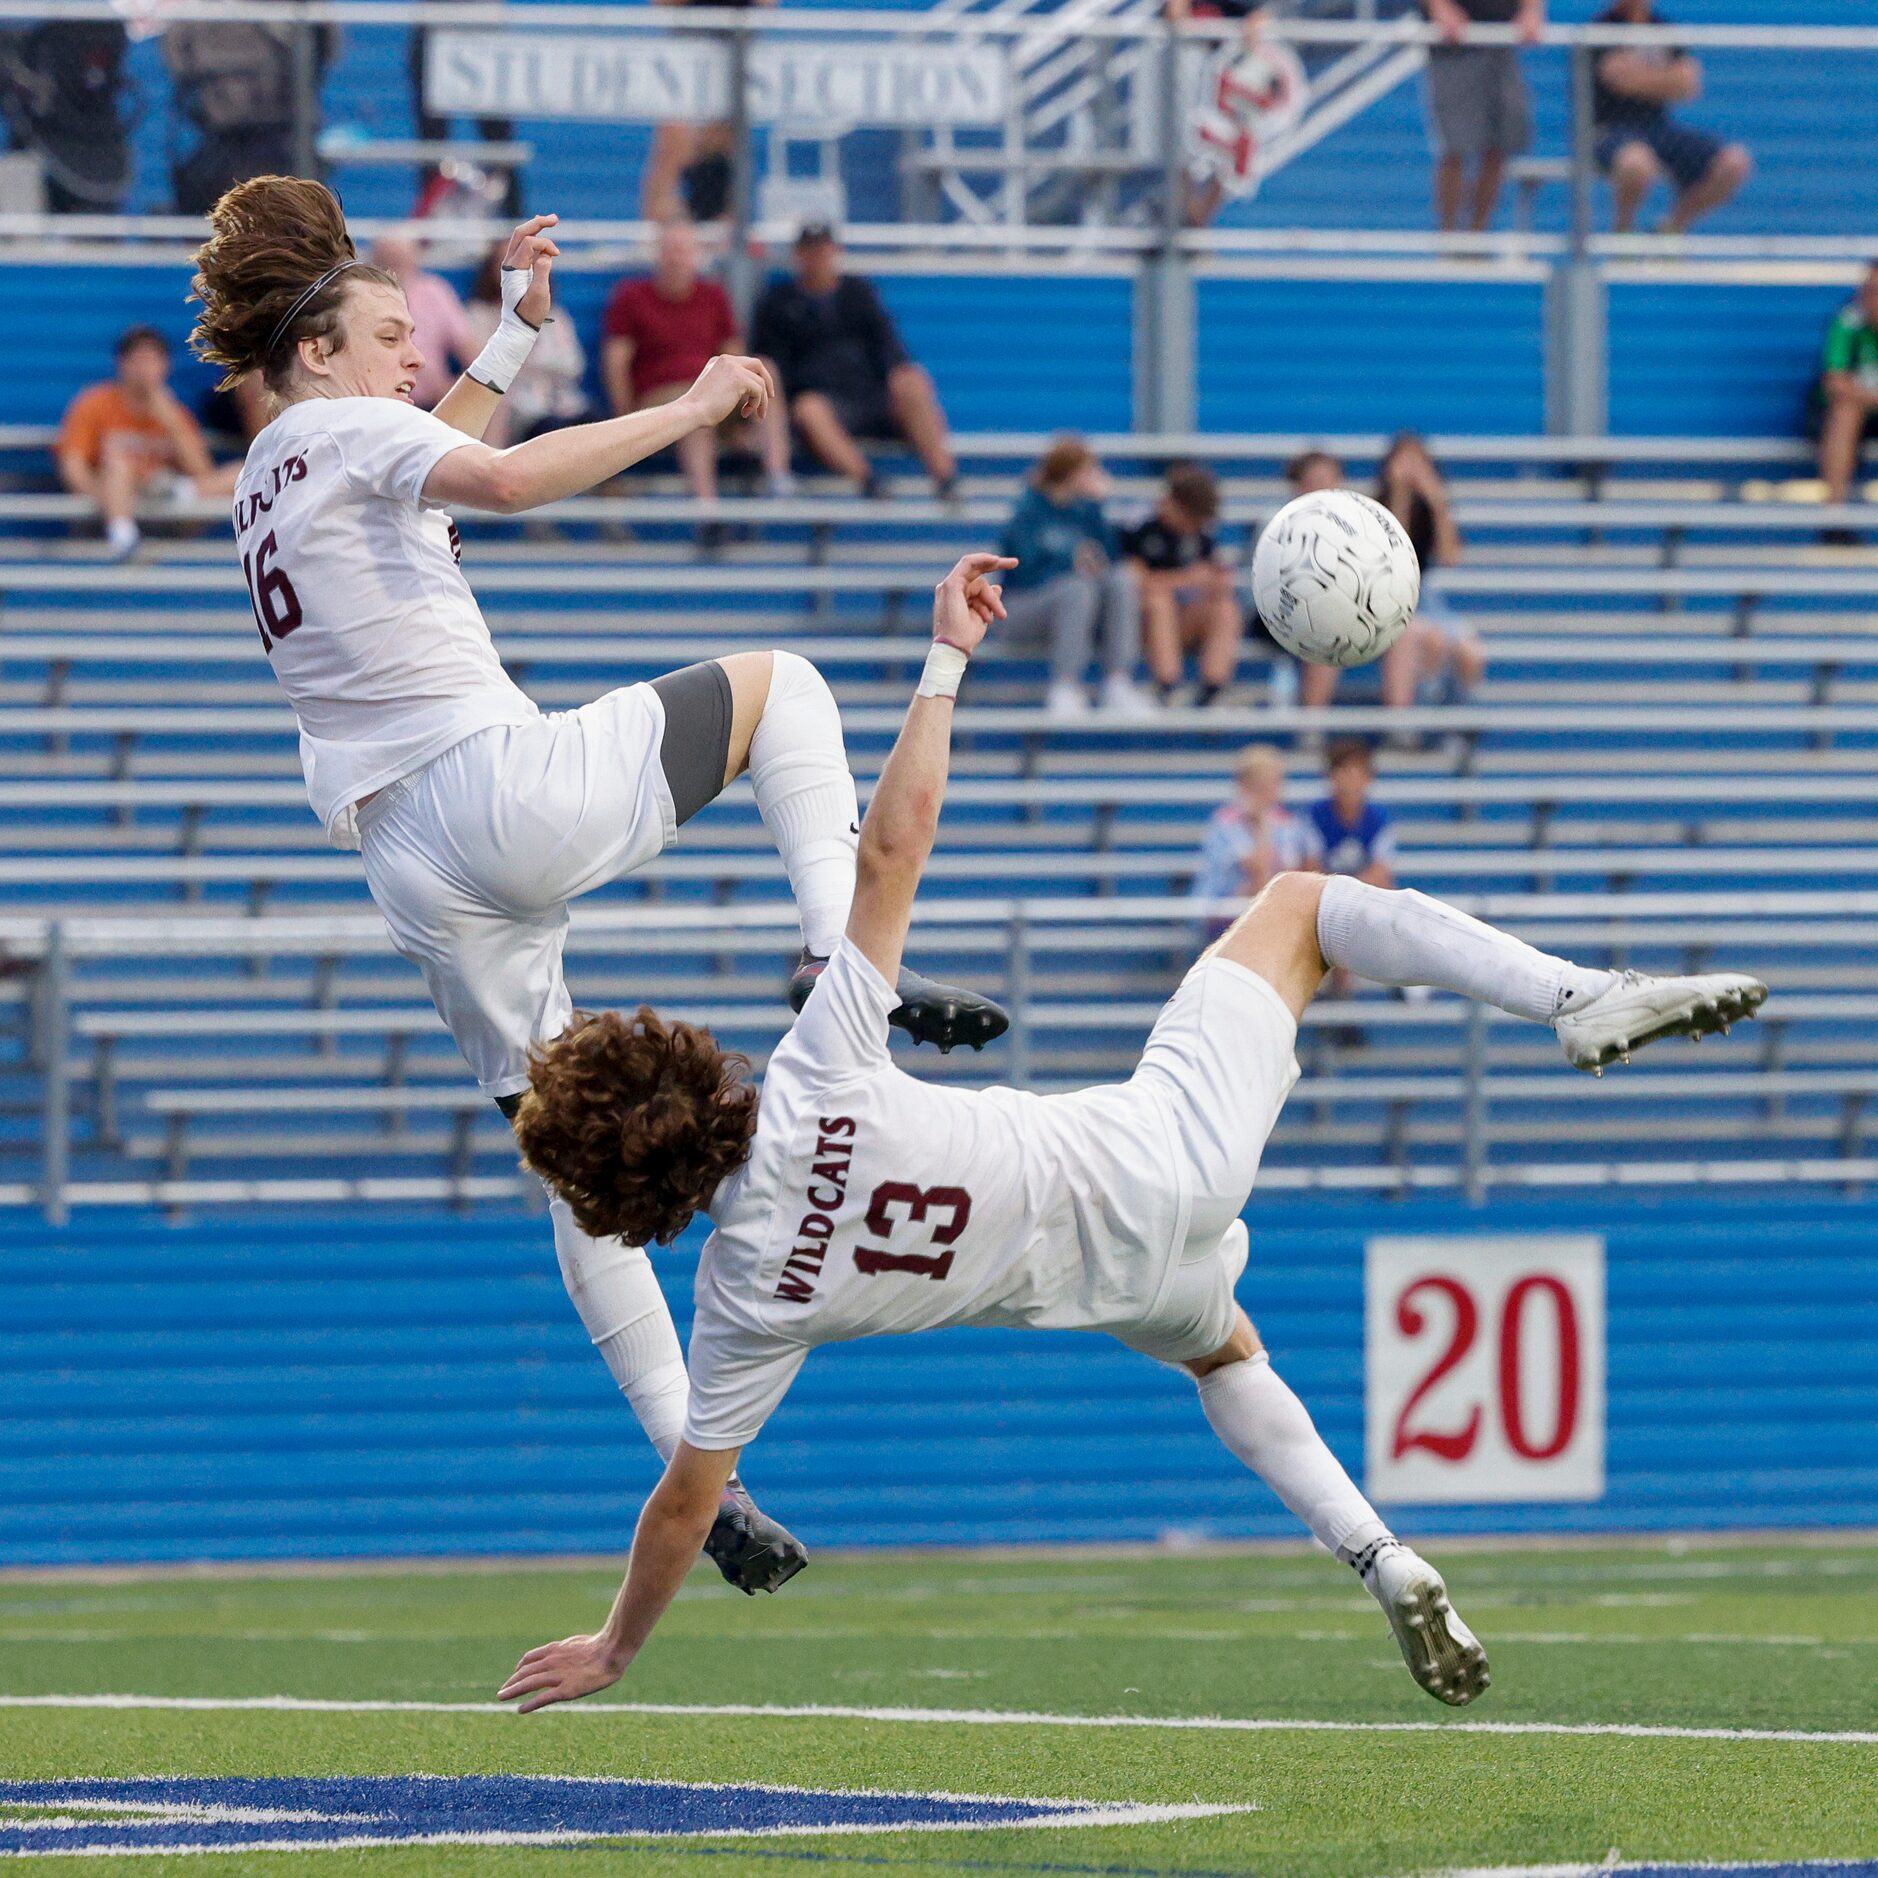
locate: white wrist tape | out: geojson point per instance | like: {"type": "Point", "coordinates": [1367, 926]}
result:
{"type": "Point", "coordinates": [512, 341]}
{"type": "Point", "coordinates": [945, 666]}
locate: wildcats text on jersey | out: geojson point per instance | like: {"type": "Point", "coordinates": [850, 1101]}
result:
{"type": "Point", "coordinates": [834, 1154]}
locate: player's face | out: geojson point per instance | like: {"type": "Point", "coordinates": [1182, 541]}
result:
{"type": "Point", "coordinates": [380, 356]}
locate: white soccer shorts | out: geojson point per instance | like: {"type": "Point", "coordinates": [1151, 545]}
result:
{"type": "Point", "coordinates": [473, 859]}
{"type": "Point", "coordinates": [1220, 1062]}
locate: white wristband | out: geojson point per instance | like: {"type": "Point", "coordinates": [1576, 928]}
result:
{"type": "Point", "coordinates": [496, 365]}
{"type": "Point", "coordinates": [945, 666]}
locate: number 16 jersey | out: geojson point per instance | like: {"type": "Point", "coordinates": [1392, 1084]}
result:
{"type": "Point", "coordinates": [874, 1204]}
{"type": "Point", "coordinates": [363, 611]}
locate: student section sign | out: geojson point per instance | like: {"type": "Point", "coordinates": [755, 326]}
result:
{"type": "Point", "coordinates": [686, 78]}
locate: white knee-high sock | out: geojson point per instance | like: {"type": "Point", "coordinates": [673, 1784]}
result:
{"type": "Point", "coordinates": [799, 769]}
{"type": "Point", "coordinates": [619, 1300]}
{"type": "Point", "coordinates": [1405, 938]}
{"type": "Point", "coordinates": [1271, 1431]}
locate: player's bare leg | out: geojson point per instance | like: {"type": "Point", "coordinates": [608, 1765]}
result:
{"type": "Point", "coordinates": [1264, 1425]}
{"type": "Point", "coordinates": [1401, 937]}
{"type": "Point", "coordinates": [786, 730]}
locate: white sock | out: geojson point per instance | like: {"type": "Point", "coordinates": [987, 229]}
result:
{"type": "Point", "coordinates": [799, 769]}
{"type": "Point", "coordinates": [620, 1302]}
{"type": "Point", "coordinates": [1405, 938]}
{"type": "Point", "coordinates": [1255, 1414]}
{"type": "Point", "coordinates": [122, 533]}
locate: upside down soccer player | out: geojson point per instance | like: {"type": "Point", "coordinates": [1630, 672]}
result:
{"type": "Point", "coordinates": [853, 1200]}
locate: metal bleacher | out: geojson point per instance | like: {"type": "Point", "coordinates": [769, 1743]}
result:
{"type": "Point", "coordinates": [1674, 760]}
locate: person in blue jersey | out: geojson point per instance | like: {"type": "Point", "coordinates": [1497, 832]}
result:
{"type": "Point", "coordinates": [1068, 589]}
{"type": "Point", "coordinates": [1354, 833]}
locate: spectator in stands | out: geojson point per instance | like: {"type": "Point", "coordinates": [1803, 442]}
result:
{"type": "Point", "coordinates": [431, 182]}
{"type": "Point", "coordinates": [235, 82]}
{"type": "Point", "coordinates": [1439, 658]}
{"type": "Point", "coordinates": [1637, 139]}
{"type": "Point", "coordinates": [1185, 585]}
{"type": "Point", "coordinates": [843, 369]}
{"type": "Point", "coordinates": [443, 330]}
{"type": "Point", "coordinates": [1253, 836]}
{"type": "Point", "coordinates": [1067, 588]}
{"type": "Point", "coordinates": [1311, 470]}
{"type": "Point", "coordinates": [688, 173]}
{"type": "Point", "coordinates": [64, 96]}
{"type": "Point", "coordinates": [1848, 392]}
{"type": "Point", "coordinates": [658, 333]}
{"type": "Point", "coordinates": [130, 440]}
{"type": "Point", "coordinates": [550, 390]}
{"type": "Point", "coordinates": [1353, 833]}
{"type": "Point", "coordinates": [1478, 107]}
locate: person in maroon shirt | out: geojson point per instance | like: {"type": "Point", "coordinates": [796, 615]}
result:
{"type": "Point", "coordinates": [658, 332]}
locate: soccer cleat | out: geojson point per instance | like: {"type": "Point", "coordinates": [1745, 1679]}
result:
{"type": "Point", "coordinates": [1638, 1009]}
{"type": "Point", "coordinates": [752, 1551]}
{"type": "Point", "coordinates": [928, 1012]}
{"type": "Point", "coordinates": [1443, 1655]}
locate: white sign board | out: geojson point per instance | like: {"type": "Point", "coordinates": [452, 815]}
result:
{"type": "Point", "coordinates": [1484, 1361]}
{"type": "Point", "coordinates": [685, 78]}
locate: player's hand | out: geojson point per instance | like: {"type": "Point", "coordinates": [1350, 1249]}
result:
{"type": "Point", "coordinates": [533, 249]}
{"type": "Point", "coordinates": [730, 385]}
{"type": "Point", "coordinates": [562, 1672]}
{"type": "Point", "coordinates": [968, 600]}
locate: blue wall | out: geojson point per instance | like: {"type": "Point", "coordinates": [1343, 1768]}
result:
{"type": "Point", "coordinates": [348, 1386]}
{"type": "Point", "coordinates": [1338, 355]}
{"type": "Point", "coordinates": [1705, 359]}
{"type": "Point", "coordinates": [1009, 353]}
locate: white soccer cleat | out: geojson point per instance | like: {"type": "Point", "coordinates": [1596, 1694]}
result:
{"type": "Point", "coordinates": [1638, 1009]}
{"type": "Point", "coordinates": [1443, 1655]}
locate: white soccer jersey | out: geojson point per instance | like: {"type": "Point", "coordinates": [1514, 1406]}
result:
{"type": "Point", "coordinates": [367, 619]}
{"type": "Point", "coordinates": [873, 1204]}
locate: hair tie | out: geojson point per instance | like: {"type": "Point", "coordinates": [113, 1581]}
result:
{"type": "Point", "coordinates": [293, 312]}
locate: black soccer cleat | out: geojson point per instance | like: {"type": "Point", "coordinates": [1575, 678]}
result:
{"type": "Point", "coordinates": [752, 1551]}
{"type": "Point", "coordinates": [928, 1012]}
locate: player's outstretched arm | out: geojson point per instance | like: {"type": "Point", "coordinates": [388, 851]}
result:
{"type": "Point", "coordinates": [470, 403]}
{"type": "Point", "coordinates": [672, 1531]}
{"type": "Point", "coordinates": [903, 817]}
{"type": "Point", "coordinates": [565, 462]}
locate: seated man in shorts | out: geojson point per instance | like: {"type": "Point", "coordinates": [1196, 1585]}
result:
{"type": "Point", "coordinates": [658, 332]}
{"type": "Point", "coordinates": [1637, 139]}
{"type": "Point", "coordinates": [854, 1200]}
{"type": "Point", "coordinates": [1848, 393]}
{"type": "Point", "coordinates": [844, 372]}
{"type": "Point", "coordinates": [129, 442]}
{"type": "Point", "coordinates": [1186, 586]}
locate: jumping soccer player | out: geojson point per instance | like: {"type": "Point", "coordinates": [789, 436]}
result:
{"type": "Point", "coordinates": [479, 817]}
{"type": "Point", "coordinates": [855, 1201]}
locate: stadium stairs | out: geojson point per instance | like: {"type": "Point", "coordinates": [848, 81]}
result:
{"type": "Point", "coordinates": [1673, 761]}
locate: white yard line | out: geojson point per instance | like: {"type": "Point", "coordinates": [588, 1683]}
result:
{"type": "Point", "coordinates": [953, 1717]}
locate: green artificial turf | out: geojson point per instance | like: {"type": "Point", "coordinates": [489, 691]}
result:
{"type": "Point", "coordinates": [1729, 1636]}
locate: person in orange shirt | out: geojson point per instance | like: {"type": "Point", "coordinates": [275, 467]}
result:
{"type": "Point", "coordinates": [131, 437]}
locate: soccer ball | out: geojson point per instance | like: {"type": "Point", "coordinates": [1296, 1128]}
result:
{"type": "Point", "coordinates": [1334, 578]}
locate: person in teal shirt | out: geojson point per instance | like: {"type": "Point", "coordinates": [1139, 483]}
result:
{"type": "Point", "coordinates": [1848, 388]}
{"type": "Point", "coordinates": [1068, 590]}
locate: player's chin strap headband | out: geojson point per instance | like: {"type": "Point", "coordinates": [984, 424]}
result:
{"type": "Point", "coordinates": [300, 305]}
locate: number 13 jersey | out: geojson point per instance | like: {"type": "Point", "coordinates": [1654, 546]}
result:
{"type": "Point", "coordinates": [371, 628]}
{"type": "Point", "coordinates": [874, 1204]}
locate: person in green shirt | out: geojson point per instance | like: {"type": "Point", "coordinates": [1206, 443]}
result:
{"type": "Point", "coordinates": [1848, 388]}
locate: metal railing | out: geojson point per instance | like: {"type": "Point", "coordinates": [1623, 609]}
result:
{"type": "Point", "coordinates": [1446, 1096]}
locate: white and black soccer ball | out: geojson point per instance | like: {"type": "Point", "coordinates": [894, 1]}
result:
{"type": "Point", "coordinates": [1334, 578]}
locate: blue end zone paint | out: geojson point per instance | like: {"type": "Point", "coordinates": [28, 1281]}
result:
{"type": "Point", "coordinates": [49, 1818]}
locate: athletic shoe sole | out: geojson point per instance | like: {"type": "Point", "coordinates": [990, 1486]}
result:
{"type": "Point", "coordinates": [943, 1015]}
{"type": "Point", "coordinates": [1442, 1654]}
{"type": "Point", "coordinates": [752, 1551]}
{"type": "Point", "coordinates": [1700, 1015]}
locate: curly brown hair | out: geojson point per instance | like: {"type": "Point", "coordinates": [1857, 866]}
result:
{"type": "Point", "coordinates": [270, 239]}
{"type": "Point", "coordinates": [635, 1122]}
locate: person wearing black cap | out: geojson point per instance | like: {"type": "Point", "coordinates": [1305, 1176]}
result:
{"type": "Point", "coordinates": [843, 369]}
